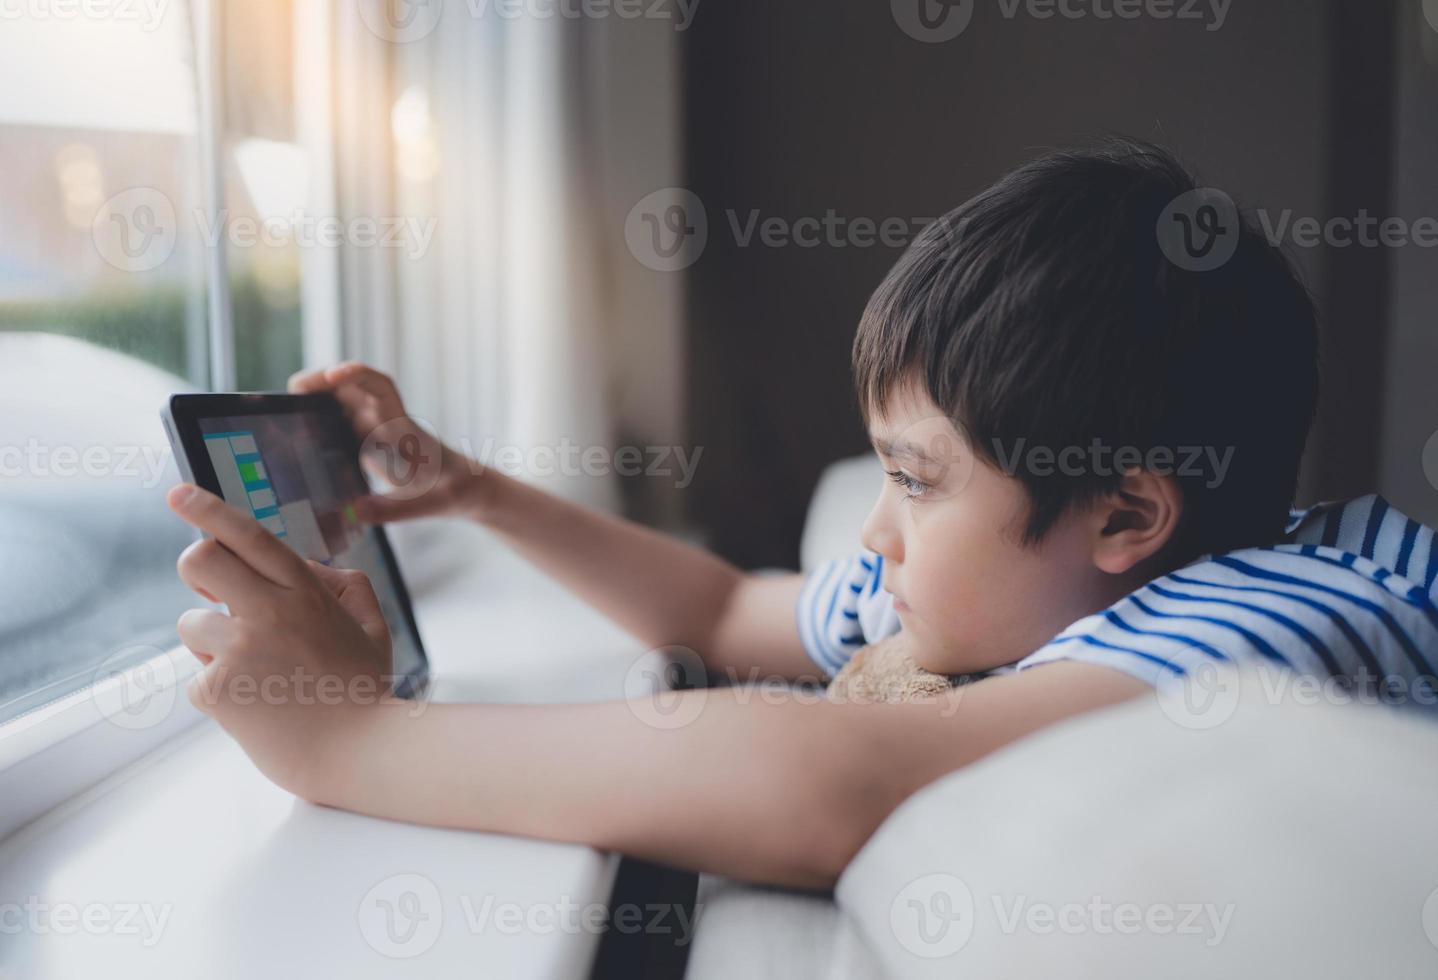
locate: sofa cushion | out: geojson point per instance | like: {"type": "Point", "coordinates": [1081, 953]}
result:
{"type": "Point", "coordinates": [1297, 838]}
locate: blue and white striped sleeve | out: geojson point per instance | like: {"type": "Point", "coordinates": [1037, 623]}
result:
{"type": "Point", "coordinates": [1372, 528]}
{"type": "Point", "coordinates": [1327, 602]}
{"type": "Point", "coordinates": [843, 608]}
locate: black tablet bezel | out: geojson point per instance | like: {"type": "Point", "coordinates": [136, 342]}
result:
{"type": "Point", "coordinates": [182, 424]}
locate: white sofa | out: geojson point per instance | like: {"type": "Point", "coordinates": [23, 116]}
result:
{"type": "Point", "coordinates": [1296, 839]}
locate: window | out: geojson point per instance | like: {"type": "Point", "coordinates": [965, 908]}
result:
{"type": "Point", "coordinates": [102, 314]}
{"type": "Point", "coordinates": [110, 244]}
{"type": "Point", "coordinates": [266, 180]}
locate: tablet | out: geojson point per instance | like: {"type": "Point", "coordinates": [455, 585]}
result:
{"type": "Point", "coordinates": [292, 463]}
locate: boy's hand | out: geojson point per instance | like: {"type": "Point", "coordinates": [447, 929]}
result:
{"type": "Point", "coordinates": [296, 667]}
{"type": "Point", "coordinates": [426, 477]}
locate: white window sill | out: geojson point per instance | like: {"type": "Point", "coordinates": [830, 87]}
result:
{"type": "Point", "coordinates": [254, 882]}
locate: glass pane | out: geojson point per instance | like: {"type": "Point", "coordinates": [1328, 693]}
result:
{"type": "Point", "coordinates": [102, 316]}
{"type": "Point", "coordinates": [266, 191]}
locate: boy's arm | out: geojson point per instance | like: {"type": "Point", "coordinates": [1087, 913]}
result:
{"type": "Point", "coordinates": [655, 587]}
{"type": "Point", "coordinates": [743, 782]}
{"type": "Point", "coordinates": [768, 790]}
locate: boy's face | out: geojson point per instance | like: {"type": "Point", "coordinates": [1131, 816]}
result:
{"type": "Point", "coordinates": [969, 594]}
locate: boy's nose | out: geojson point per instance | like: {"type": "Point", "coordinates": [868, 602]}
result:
{"type": "Point", "coordinates": [880, 535]}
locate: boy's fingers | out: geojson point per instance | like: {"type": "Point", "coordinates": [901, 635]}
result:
{"type": "Point", "coordinates": [353, 589]}
{"type": "Point", "coordinates": [306, 382]}
{"type": "Point", "coordinates": [366, 379]}
{"type": "Point", "coordinates": [356, 596]}
{"type": "Point", "coordinates": [379, 509]}
{"type": "Point", "coordinates": [207, 687]}
{"type": "Point", "coordinates": [359, 405]}
{"type": "Point", "coordinates": [334, 579]}
{"type": "Point", "coordinates": [214, 572]}
{"type": "Point", "coordinates": [241, 534]}
{"type": "Point", "coordinates": [206, 633]}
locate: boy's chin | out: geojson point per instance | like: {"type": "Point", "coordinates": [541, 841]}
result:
{"type": "Point", "coordinates": [936, 658]}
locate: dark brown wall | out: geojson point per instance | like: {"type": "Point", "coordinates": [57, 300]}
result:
{"type": "Point", "coordinates": [796, 108]}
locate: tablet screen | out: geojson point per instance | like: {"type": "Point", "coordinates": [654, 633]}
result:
{"type": "Point", "coordinates": [298, 477]}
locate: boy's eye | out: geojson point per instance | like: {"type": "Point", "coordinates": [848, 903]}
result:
{"type": "Point", "coordinates": [912, 487]}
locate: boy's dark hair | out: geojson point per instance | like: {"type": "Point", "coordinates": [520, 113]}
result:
{"type": "Point", "coordinates": [1045, 313]}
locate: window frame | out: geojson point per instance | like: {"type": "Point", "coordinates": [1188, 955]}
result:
{"type": "Point", "coordinates": [68, 745]}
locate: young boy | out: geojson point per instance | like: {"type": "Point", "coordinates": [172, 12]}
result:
{"type": "Point", "coordinates": [1034, 373]}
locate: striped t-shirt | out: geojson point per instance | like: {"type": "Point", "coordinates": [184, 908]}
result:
{"type": "Point", "coordinates": [1348, 593]}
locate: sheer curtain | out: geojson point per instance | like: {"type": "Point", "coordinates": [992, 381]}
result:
{"type": "Point", "coordinates": [511, 327]}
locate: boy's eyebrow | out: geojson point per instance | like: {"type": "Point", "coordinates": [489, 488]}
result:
{"type": "Point", "coordinates": [906, 449]}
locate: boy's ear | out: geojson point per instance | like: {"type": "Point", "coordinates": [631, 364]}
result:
{"type": "Point", "coordinates": [1136, 521]}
